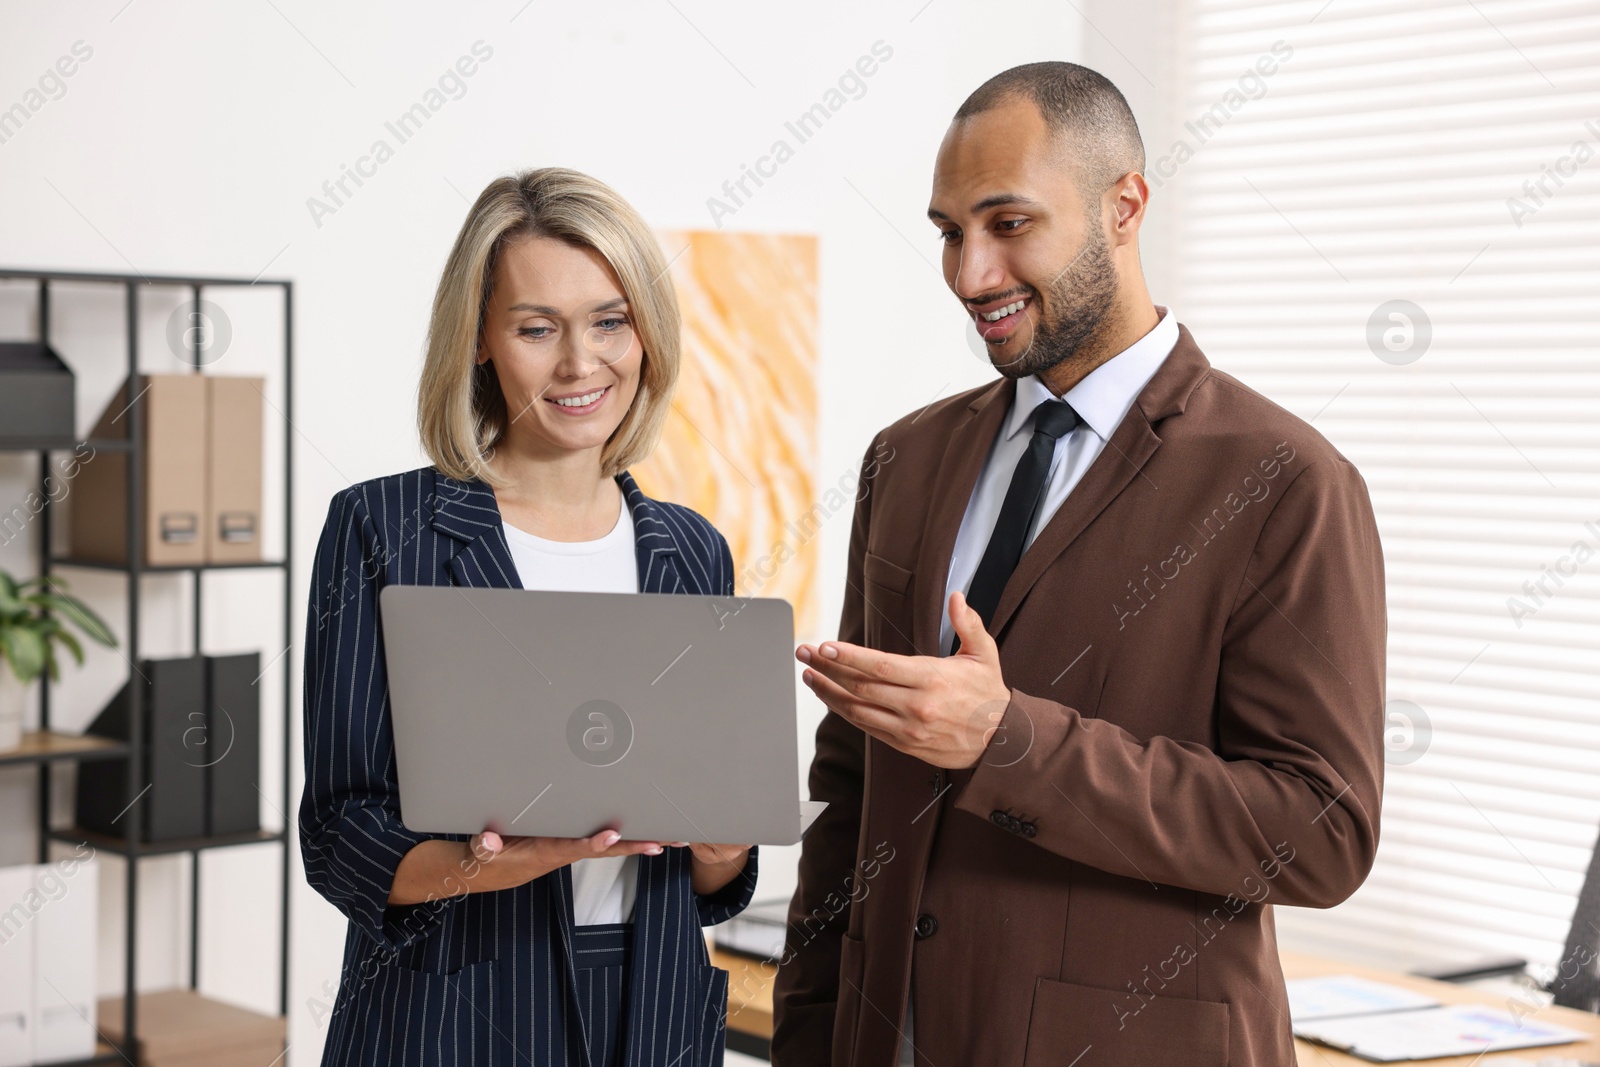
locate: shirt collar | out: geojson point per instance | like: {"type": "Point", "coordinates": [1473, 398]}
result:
{"type": "Point", "coordinates": [1106, 393]}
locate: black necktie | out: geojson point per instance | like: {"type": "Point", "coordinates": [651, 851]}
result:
{"type": "Point", "coordinates": [1051, 419]}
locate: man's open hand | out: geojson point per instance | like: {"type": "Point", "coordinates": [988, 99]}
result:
{"type": "Point", "coordinates": [942, 710]}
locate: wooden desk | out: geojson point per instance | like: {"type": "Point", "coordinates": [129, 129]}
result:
{"type": "Point", "coordinates": [749, 1001]}
{"type": "Point", "coordinates": [750, 1011]}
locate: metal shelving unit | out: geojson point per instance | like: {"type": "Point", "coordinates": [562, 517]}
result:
{"type": "Point", "coordinates": [46, 746]}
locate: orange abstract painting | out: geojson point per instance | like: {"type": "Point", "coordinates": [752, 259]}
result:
{"type": "Point", "coordinates": [740, 444]}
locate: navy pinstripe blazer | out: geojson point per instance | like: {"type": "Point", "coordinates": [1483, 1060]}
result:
{"type": "Point", "coordinates": [479, 978]}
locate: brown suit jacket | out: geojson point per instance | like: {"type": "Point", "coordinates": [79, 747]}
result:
{"type": "Point", "coordinates": [1194, 646]}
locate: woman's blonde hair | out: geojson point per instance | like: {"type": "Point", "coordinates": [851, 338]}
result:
{"type": "Point", "coordinates": [461, 411]}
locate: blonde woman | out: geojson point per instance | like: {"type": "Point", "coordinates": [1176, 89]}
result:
{"type": "Point", "coordinates": [552, 354]}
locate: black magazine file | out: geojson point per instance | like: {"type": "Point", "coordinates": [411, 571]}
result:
{"type": "Point", "coordinates": [199, 765]}
{"type": "Point", "coordinates": [38, 406]}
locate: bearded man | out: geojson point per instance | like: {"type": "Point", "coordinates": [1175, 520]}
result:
{"type": "Point", "coordinates": [1109, 680]}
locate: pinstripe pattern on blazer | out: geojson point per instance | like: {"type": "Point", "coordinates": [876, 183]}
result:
{"type": "Point", "coordinates": [477, 978]}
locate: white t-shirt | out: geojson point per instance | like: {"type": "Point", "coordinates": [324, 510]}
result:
{"type": "Point", "coordinates": [602, 889]}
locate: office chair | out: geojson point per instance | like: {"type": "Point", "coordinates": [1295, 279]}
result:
{"type": "Point", "coordinates": [1576, 983]}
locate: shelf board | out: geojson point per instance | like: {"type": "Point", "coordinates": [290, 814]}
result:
{"type": "Point", "coordinates": [184, 1025]}
{"type": "Point", "coordinates": [104, 1053]}
{"type": "Point", "coordinates": [60, 444]}
{"type": "Point", "coordinates": [35, 444]}
{"type": "Point", "coordinates": [23, 274]}
{"type": "Point", "coordinates": [39, 746]}
{"type": "Point", "coordinates": [74, 835]}
{"type": "Point", "coordinates": [166, 568]}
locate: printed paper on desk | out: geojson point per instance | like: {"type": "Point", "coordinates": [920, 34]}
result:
{"type": "Point", "coordinates": [1457, 1030]}
{"type": "Point", "coordinates": [1337, 995]}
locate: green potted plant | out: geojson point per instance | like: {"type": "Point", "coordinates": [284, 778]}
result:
{"type": "Point", "coordinates": [33, 615]}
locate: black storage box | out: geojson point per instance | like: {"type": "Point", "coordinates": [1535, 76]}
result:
{"type": "Point", "coordinates": [37, 397]}
{"type": "Point", "coordinates": [170, 765]}
{"type": "Point", "coordinates": [201, 758]}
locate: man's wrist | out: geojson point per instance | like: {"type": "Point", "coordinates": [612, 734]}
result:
{"type": "Point", "coordinates": [999, 738]}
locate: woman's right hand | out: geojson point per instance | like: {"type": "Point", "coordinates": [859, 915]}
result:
{"type": "Point", "coordinates": [513, 860]}
{"type": "Point", "coordinates": [435, 868]}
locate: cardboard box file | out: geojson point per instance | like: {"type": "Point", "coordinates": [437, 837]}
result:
{"type": "Point", "coordinates": [17, 931]}
{"type": "Point", "coordinates": [174, 420]}
{"type": "Point", "coordinates": [65, 957]}
{"type": "Point", "coordinates": [233, 453]}
{"type": "Point", "coordinates": [48, 923]}
{"type": "Point", "coordinates": [202, 439]}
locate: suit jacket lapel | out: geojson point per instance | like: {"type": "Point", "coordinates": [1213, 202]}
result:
{"type": "Point", "coordinates": [467, 512]}
{"type": "Point", "coordinates": [964, 454]}
{"type": "Point", "coordinates": [655, 549]}
{"type": "Point", "coordinates": [1132, 444]}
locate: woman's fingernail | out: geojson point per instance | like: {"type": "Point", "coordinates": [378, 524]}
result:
{"type": "Point", "coordinates": [805, 654]}
{"type": "Point", "coordinates": [830, 651]}
{"type": "Point", "coordinates": [610, 839]}
{"type": "Point", "coordinates": [653, 850]}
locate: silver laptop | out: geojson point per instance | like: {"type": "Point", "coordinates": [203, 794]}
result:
{"type": "Point", "coordinates": [667, 717]}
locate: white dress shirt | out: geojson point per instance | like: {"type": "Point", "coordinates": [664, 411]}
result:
{"type": "Point", "coordinates": [1101, 400]}
{"type": "Point", "coordinates": [603, 888]}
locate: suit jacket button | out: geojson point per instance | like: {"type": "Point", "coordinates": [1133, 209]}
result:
{"type": "Point", "coordinates": [999, 818]}
{"type": "Point", "coordinates": [1028, 829]}
{"type": "Point", "coordinates": [926, 925]}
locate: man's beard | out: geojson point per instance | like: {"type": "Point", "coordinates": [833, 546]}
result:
{"type": "Point", "coordinates": [1076, 303]}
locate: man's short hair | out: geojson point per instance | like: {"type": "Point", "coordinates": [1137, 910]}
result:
{"type": "Point", "coordinates": [1088, 117]}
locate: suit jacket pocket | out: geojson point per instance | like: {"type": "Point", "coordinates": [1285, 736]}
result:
{"type": "Point", "coordinates": [886, 623]}
{"type": "Point", "coordinates": [1108, 1028]}
{"type": "Point", "coordinates": [422, 1019]}
{"type": "Point", "coordinates": [848, 1003]}
{"type": "Point", "coordinates": [880, 571]}
{"type": "Point", "coordinates": [436, 952]}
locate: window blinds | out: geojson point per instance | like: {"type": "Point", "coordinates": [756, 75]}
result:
{"type": "Point", "coordinates": [1388, 221]}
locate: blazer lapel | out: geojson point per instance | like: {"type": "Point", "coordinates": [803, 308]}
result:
{"type": "Point", "coordinates": [467, 512]}
{"type": "Point", "coordinates": [1132, 444]}
{"type": "Point", "coordinates": [655, 549]}
{"type": "Point", "coordinates": [965, 451]}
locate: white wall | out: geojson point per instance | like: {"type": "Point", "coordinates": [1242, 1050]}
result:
{"type": "Point", "coordinates": [192, 138]}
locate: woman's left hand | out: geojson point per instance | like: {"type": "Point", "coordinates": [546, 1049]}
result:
{"type": "Point", "coordinates": [715, 865]}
